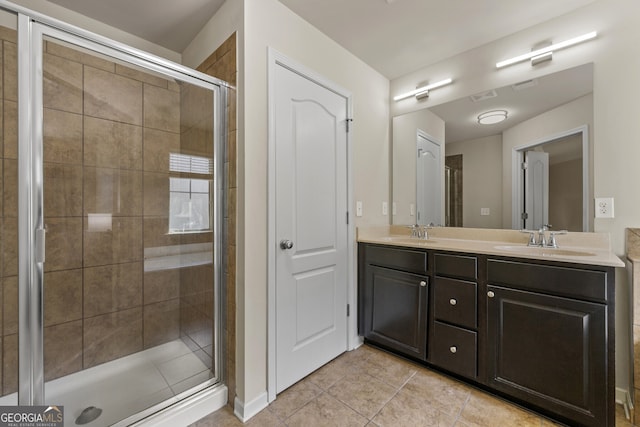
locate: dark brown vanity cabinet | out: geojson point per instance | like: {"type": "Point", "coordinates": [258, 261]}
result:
{"type": "Point", "coordinates": [393, 298]}
{"type": "Point", "coordinates": [540, 333]}
{"type": "Point", "coordinates": [454, 341]}
{"type": "Point", "coordinates": [550, 339]}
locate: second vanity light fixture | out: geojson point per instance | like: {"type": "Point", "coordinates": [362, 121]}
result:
{"type": "Point", "coordinates": [423, 91]}
{"type": "Point", "coordinates": [545, 52]}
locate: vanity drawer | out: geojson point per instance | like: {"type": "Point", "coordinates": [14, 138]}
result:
{"type": "Point", "coordinates": [411, 260]}
{"type": "Point", "coordinates": [561, 281]}
{"type": "Point", "coordinates": [455, 302]}
{"type": "Point", "coordinates": [462, 267]}
{"type": "Point", "coordinates": [454, 349]}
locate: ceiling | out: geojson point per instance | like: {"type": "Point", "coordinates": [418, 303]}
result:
{"type": "Point", "coordinates": [169, 23]}
{"type": "Point", "coordinates": [395, 37]}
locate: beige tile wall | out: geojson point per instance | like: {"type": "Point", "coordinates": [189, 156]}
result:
{"type": "Point", "coordinates": [108, 133]}
{"type": "Point", "coordinates": [222, 64]}
{"type": "Point", "coordinates": [633, 254]}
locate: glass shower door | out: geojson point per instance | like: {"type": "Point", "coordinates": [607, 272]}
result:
{"type": "Point", "coordinates": [129, 212]}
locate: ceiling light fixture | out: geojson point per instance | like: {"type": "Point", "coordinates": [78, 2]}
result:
{"type": "Point", "coordinates": [423, 91]}
{"type": "Point", "coordinates": [492, 117]}
{"type": "Point", "coordinates": [544, 53]}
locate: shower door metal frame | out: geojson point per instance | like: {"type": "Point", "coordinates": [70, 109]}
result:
{"type": "Point", "coordinates": [33, 27]}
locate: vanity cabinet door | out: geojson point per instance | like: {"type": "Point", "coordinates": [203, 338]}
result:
{"type": "Point", "coordinates": [395, 310]}
{"type": "Point", "coordinates": [550, 352]}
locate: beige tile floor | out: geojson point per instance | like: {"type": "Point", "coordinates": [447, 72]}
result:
{"type": "Point", "coordinates": [370, 387]}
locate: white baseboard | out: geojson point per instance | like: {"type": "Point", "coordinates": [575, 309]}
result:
{"type": "Point", "coordinates": [190, 410]}
{"type": "Point", "coordinates": [244, 411]}
{"type": "Point", "coordinates": [623, 397]}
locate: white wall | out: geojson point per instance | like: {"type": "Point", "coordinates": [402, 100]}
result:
{"type": "Point", "coordinates": [616, 128]}
{"type": "Point", "coordinates": [553, 122]}
{"type": "Point", "coordinates": [481, 180]}
{"type": "Point", "coordinates": [405, 131]}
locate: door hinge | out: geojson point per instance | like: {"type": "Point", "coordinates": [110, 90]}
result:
{"type": "Point", "coordinates": [347, 217]}
{"type": "Point", "coordinates": [349, 124]}
{"type": "Point", "coordinates": [348, 310]}
{"type": "Point", "coordinates": [524, 216]}
{"type": "Point", "coordinates": [524, 166]}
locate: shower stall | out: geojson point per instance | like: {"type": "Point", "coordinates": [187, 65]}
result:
{"type": "Point", "coordinates": [111, 183]}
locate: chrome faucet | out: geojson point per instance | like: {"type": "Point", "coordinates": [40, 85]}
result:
{"type": "Point", "coordinates": [541, 240]}
{"type": "Point", "coordinates": [419, 231]}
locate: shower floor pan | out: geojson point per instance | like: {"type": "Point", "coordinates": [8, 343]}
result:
{"type": "Point", "coordinates": [126, 386]}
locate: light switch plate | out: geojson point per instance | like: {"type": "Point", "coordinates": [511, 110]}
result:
{"type": "Point", "coordinates": [358, 208]}
{"type": "Point", "coordinates": [385, 208]}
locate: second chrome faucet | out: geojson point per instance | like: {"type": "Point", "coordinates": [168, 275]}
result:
{"type": "Point", "coordinates": [541, 239]}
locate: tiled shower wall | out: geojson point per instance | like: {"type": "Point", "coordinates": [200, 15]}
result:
{"type": "Point", "coordinates": [222, 63]}
{"type": "Point", "coordinates": [108, 133]}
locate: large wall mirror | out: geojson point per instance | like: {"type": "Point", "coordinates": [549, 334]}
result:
{"type": "Point", "coordinates": [531, 169]}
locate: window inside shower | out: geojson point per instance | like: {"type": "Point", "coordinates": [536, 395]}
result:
{"type": "Point", "coordinates": [131, 272]}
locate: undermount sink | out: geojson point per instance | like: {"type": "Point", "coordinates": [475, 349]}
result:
{"type": "Point", "coordinates": [543, 251]}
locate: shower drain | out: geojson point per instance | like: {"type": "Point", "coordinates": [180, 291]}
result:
{"type": "Point", "coordinates": [88, 414]}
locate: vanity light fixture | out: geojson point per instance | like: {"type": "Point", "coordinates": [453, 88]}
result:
{"type": "Point", "coordinates": [423, 91]}
{"type": "Point", "coordinates": [545, 53]}
{"type": "Point", "coordinates": [492, 117]}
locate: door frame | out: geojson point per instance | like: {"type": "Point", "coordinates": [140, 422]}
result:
{"type": "Point", "coordinates": [517, 182]}
{"type": "Point", "coordinates": [277, 59]}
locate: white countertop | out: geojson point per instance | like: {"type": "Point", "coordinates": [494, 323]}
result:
{"type": "Point", "coordinates": [574, 247]}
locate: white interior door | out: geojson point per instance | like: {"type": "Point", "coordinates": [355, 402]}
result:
{"type": "Point", "coordinates": [311, 225]}
{"type": "Point", "coordinates": [536, 179]}
{"type": "Point", "coordinates": [429, 187]}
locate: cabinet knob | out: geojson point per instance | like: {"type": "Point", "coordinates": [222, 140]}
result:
{"type": "Point", "coordinates": [453, 301]}
{"type": "Point", "coordinates": [453, 349]}
{"type": "Point", "coordinates": [490, 294]}
{"type": "Point", "coordinates": [423, 283]}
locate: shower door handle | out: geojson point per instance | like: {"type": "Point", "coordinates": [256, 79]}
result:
{"type": "Point", "coordinates": [40, 244]}
{"type": "Point", "coordinates": [286, 244]}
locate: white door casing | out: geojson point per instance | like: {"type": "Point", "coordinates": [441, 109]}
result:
{"type": "Point", "coordinates": [536, 189]}
{"type": "Point", "coordinates": [429, 173]}
{"type": "Point", "coordinates": [311, 203]}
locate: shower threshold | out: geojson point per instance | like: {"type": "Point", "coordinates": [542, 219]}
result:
{"type": "Point", "coordinates": [125, 386]}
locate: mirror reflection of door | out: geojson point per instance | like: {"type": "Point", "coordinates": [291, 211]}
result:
{"type": "Point", "coordinates": [429, 173]}
{"type": "Point", "coordinates": [536, 190]}
{"type": "Point", "coordinates": [555, 197]}
{"type": "Point", "coordinates": [453, 190]}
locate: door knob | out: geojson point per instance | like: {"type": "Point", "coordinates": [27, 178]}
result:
{"type": "Point", "coordinates": [423, 283]}
{"type": "Point", "coordinates": [490, 294]}
{"type": "Point", "coordinates": [286, 244]}
{"type": "Point", "coordinates": [453, 301]}
{"type": "Point", "coordinates": [453, 349]}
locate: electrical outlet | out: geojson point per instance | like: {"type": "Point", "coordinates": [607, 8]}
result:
{"type": "Point", "coordinates": [485, 211]}
{"type": "Point", "coordinates": [358, 208]}
{"type": "Point", "coordinates": [604, 207]}
{"type": "Point", "coordinates": [412, 209]}
{"type": "Point", "coordinates": [385, 208]}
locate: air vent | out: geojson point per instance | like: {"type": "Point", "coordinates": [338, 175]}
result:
{"type": "Point", "coordinates": [524, 85]}
{"type": "Point", "coordinates": [482, 96]}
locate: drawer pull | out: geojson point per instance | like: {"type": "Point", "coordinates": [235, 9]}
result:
{"type": "Point", "coordinates": [453, 301]}
{"type": "Point", "coordinates": [490, 294]}
{"type": "Point", "coordinates": [453, 349]}
{"type": "Point", "coordinates": [423, 283]}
